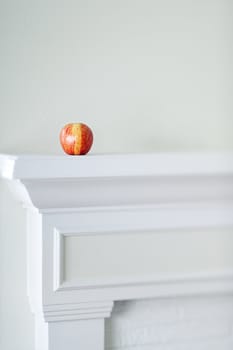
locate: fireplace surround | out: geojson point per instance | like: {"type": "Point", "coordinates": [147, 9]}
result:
{"type": "Point", "coordinates": [105, 228]}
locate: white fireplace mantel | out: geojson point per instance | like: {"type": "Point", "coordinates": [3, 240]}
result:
{"type": "Point", "coordinates": [103, 228]}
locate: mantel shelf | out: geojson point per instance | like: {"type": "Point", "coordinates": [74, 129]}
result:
{"type": "Point", "coordinates": [61, 182]}
{"type": "Point", "coordinates": [117, 165]}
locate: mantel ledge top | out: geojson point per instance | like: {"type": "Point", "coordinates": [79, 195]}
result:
{"type": "Point", "coordinates": [33, 167]}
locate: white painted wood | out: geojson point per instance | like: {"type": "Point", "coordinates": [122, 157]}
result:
{"type": "Point", "coordinates": [34, 260]}
{"type": "Point", "coordinates": [72, 335]}
{"type": "Point", "coordinates": [131, 257]}
{"type": "Point", "coordinates": [68, 311]}
{"type": "Point", "coordinates": [117, 165]}
{"type": "Point", "coordinates": [83, 334]}
{"type": "Point", "coordinates": [74, 182]}
{"type": "Point", "coordinates": [82, 210]}
{"type": "Point", "coordinates": [41, 333]}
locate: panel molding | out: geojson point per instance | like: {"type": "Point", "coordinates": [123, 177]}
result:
{"type": "Point", "coordinates": [207, 282]}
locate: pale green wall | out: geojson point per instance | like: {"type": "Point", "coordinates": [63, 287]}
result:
{"type": "Point", "coordinates": [145, 75]}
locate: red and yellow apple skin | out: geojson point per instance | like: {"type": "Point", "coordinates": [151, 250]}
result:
{"type": "Point", "coordinates": [76, 138]}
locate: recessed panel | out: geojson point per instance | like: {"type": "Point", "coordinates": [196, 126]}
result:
{"type": "Point", "coordinates": [131, 256]}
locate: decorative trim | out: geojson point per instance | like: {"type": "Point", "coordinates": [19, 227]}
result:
{"type": "Point", "coordinates": [206, 282]}
{"type": "Point", "coordinates": [172, 216]}
{"type": "Point", "coordinates": [78, 311]}
{"type": "Point", "coordinates": [49, 183]}
{"type": "Point", "coordinates": [139, 191]}
{"type": "Point", "coordinates": [58, 264]}
{"type": "Point", "coordinates": [172, 285]}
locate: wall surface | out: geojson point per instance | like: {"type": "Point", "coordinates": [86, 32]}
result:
{"type": "Point", "coordinates": [16, 319]}
{"type": "Point", "coordinates": [147, 76]}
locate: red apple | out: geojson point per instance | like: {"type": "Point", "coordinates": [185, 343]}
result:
{"type": "Point", "coordinates": [76, 138]}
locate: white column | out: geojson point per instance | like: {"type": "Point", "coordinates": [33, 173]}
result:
{"type": "Point", "coordinates": [70, 335]}
{"type": "Point", "coordinates": [41, 333]}
{"type": "Point", "coordinates": [74, 335]}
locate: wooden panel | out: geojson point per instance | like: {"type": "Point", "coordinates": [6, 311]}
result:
{"type": "Point", "coordinates": [107, 258]}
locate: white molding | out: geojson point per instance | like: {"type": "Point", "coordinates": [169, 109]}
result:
{"type": "Point", "coordinates": [78, 311]}
{"type": "Point", "coordinates": [172, 216]}
{"type": "Point", "coordinates": [94, 222]}
{"type": "Point", "coordinates": [218, 204]}
{"type": "Point", "coordinates": [204, 282]}
{"type": "Point", "coordinates": [163, 286]}
{"type": "Point", "coordinates": [115, 194]}
{"type": "Point", "coordinates": [58, 253]}
{"type": "Point", "coordinates": [49, 183]}
{"type": "Point", "coordinates": [116, 165]}
{"type": "Point", "coordinates": [139, 191]}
